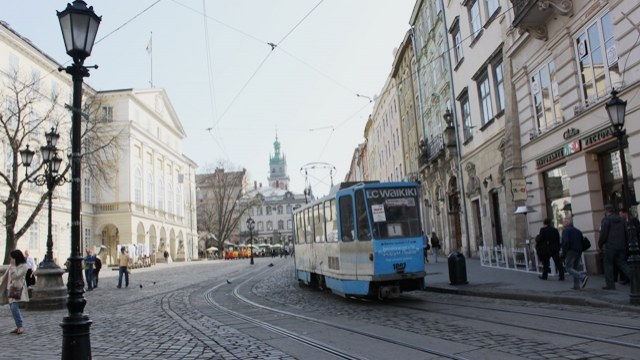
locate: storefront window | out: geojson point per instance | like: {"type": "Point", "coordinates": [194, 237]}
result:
{"type": "Point", "coordinates": [556, 188]}
{"type": "Point", "coordinates": [611, 171]}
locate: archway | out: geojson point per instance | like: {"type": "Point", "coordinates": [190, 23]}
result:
{"type": "Point", "coordinates": [109, 247]}
{"type": "Point", "coordinates": [153, 244]}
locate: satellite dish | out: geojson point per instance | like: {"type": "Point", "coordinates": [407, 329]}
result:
{"type": "Point", "coordinates": [524, 210]}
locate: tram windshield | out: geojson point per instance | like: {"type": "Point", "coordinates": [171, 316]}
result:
{"type": "Point", "coordinates": [394, 212]}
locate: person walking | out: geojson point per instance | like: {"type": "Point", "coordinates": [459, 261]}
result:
{"type": "Point", "coordinates": [613, 241]}
{"type": "Point", "coordinates": [123, 267]}
{"type": "Point", "coordinates": [89, 262]}
{"type": "Point", "coordinates": [96, 271]}
{"type": "Point", "coordinates": [13, 281]}
{"type": "Point", "coordinates": [549, 238]}
{"type": "Point", "coordinates": [435, 245]}
{"type": "Point", "coordinates": [31, 265]}
{"type": "Point", "coordinates": [572, 250]}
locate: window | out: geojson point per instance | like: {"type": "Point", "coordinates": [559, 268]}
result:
{"type": "Point", "coordinates": [456, 38]}
{"type": "Point", "coordinates": [331, 224]}
{"type": "Point", "coordinates": [484, 92]}
{"type": "Point", "coordinates": [498, 81]}
{"type": "Point", "coordinates": [491, 6]}
{"type": "Point", "coordinates": [268, 210]}
{"type": "Point", "coordinates": [289, 209]}
{"type": "Point", "coordinates": [160, 194]}
{"type": "Point", "coordinates": [280, 210]}
{"type": "Point", "coordinates": [280, 225]}
{"type": "Point", "coordinates": [269, 225]}
{"type": "Point", "coordinates": [138, 186]}
{"type": "Point", "coordinates": [598, 59]}
{"type": "Point", "coordinates": [170, 197]}
{"type": "Point", "coordinates": [259, 210]}
{"type": "Point", "coordinates": [260, 226]}
{"type": "Point", "coordinates": [34, 235]}
{"type": "Point", "coordinates": [546, 100]}
{"type": "Point", "coordinates": [179, 204]}
{"type": "Point", "coordinates": [87, 190]}
{"type": "Point", "coordinates": [318, 222]}
{"type": "Point", "coordinates": [363, 219]}
{"type": "Point", "coordinates": [149, 194]}
{"type": "Point", "coordinates": [474, 19]}
{"type": "Point", "coordinates": [346, 218]}
{"type": "Point", "coordinates": [466, 117]}
{"type": "Point", "coordinates": [107, 113]}
{"type": "Point", "coordinates": [87, 237]}
{"type": "Point", "coordinates": [289, 224]}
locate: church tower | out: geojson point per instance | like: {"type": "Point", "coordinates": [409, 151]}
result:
{"type": "Point", "coordinates": [278, 177]}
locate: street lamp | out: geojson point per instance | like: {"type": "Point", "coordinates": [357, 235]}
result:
{"type": "Point", "coordinates": [616, 109]}
{"type": "Point", "coordinates": [250, 225]}
{"type": "Point", "coordinates": [79, 25]}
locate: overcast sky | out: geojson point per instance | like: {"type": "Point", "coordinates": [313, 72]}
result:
{"type": "Point", "coordinates": [229, 88]}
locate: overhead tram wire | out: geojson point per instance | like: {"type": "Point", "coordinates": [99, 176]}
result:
{"type": "Point", "coordinates": [212, 96]}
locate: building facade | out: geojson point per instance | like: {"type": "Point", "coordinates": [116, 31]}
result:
{"type": "Point", "coordinates": [146, 200]}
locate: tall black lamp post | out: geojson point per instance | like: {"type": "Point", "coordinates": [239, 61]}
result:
{"type": "Point", "coordinates": [616, 109]}
{"type": "Point", "coordinates": [79, 25]}
{"type": "Point", "coordinates": [250, 225]}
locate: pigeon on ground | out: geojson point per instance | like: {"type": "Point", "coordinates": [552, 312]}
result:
{"type": "Point", "coordinates": [270, 265]}
{"type": "Point", "coordinates": [140, 286]}
{"type": "Point", "coordinates": [228, 282]}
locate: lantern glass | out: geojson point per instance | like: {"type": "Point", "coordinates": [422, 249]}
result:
{"type": "Point", "coordinates": [47, 153]}
{"type": "Point", "coordinates": [616, 109]}
{"type": "Point", "coordinates": [52, 137]}
{"type": "Point", "coordinates": [79, 25]}
{"type": "Point", "coordinates": [55, 164]}
{"type": "Point", "coordinates": [27, 156]}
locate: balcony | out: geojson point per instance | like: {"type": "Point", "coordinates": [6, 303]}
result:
{"type": "Point", "coordinates": [431, 150]}
{"type": "Point", "coordinates": [532, 16]}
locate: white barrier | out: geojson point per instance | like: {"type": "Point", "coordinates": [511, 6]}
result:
{"type": "Point", "coordinates": [517, 259]}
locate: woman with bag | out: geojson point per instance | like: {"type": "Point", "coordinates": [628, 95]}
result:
{"type": "Point", "coordinates": [13, 282]}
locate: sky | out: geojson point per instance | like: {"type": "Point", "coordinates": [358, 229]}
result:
{"type": "Point", "coordinates": [232, 89]}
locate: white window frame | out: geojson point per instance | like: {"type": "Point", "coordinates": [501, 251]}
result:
{"type": "Point", "coordinates": [484, 96]}
{"type": "Point", "coordinates": [475, 20]}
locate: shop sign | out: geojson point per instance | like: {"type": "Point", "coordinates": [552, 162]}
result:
{"type": "Point", "coordinates": [552, 157]}
{"type": "Point", "coordinates": [572, 147]}
{"type": "Point", "coordinates": [519, 189]}
{"type": "Point", "coordinates": [570, 132]}
{"type": "Point", "coordinates": [597, 137]}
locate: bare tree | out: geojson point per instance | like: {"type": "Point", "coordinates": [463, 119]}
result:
{"type": "Point", "coordinates": [25, 114]}
{"type": "Point", "coordinates": [220, 203]}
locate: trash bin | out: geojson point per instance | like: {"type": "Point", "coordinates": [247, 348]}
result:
{"type": "Point", "coordinates": [457, 268]}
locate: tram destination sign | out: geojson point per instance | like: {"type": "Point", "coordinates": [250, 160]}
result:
{"type": "Point", "coordinates": [391, 193]}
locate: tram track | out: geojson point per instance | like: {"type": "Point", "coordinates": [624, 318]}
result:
{"type": "Point", "coordinates": [319, 345]}
{"type": "Point", "coordinates": [537, 328]}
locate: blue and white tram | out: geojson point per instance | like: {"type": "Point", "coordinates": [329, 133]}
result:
{"type": "Point", "coordinates": [364, 239]}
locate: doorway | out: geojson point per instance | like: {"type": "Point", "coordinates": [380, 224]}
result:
{"type": "Point", "coordinates": [495, 218]}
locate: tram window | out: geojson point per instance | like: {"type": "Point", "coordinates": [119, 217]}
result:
{"type": "Point", "coordinates": [330, 220]}
{"type": "Point", "coordinates": [300, 228]}
{"type": "Point", "coordinates": [319, 223]}
{"type": "Point", "coordinates": [363, 219]}
{"type": "Point", "coordinates": [308, 217]}
{"type": "Point", "coordinates": [346, 218]}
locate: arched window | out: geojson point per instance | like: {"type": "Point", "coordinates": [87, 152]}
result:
{"type": "Point", "coordinates": [269, 225]}
{"type": "Point", "coordinates": [279, 209]}
{"type": "Point", "coordinates": [160, 194]}
{"type": "Point", "coordinates": [280, 224]}
{"type": "Point", "coordinates": [179, 204]}
{"type": "Point", "coordinates": [170, 198]}
{"type": "Point", "coordinates": [138, 186]}
{"type": "Point", "coordinates": [260, 226]}
{"type": "Point", "coordinates": [289, 209]}
{"type": "Point", "coordinates": [149, 194]}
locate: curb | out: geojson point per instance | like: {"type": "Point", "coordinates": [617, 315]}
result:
{"type": "Point", "coordinates": [541, 298]}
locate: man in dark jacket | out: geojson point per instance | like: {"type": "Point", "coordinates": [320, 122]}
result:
{"type": "Point", "coordinates": [549, 248]}
{"type": "Point", "coordinates": [572, 250]}
{"type": "Point", "coordinates": [613, 241]}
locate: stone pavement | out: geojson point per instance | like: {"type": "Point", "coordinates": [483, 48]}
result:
{"type": "Point", "coordinates": [519, 285]}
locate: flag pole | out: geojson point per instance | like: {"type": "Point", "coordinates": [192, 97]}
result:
{"type": "Point", "coordinates": [150, 52]}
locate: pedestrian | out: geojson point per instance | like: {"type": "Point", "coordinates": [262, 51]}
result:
{"type": "Point", "coordinates": [96, 271]}
{"type": "Point", "coordinates": [632, 226]}
{"type": "Point", "coordinates": [31, 265]}
{"type": "Point", "coordinates": [613, 242]}
{"type": "Point", "coordinates": [426, 247]}
{"type": "Point", "coordinates": [166, 256]}
{"type": "Point", "coordinates": [435, 245]}
{"type": "Point", "coordinates": [123, 267]}
{"type": "Point", "coordinates": [88, 266]}
{"type": "Point", "coordinates": [572, 251]}
{"type": "Point", "coordinates": [13, 282]}
{"type": "Point", "coordinates": [549, 238]}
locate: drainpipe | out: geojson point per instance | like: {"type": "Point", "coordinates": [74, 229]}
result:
{"type": "Point", "coordinates": [454, 113]}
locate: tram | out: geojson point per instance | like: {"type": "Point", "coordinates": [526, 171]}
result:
{"type": "Point", "coordinates": [361, 240]}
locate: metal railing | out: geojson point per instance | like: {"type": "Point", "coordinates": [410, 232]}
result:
{"type": "Point", "coordinates": [517, 259]}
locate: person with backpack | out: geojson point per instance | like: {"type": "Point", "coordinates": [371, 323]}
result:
{"type": "Point", "coordinates": [96, 270]}
{"type": "Point", "coordinates": [435, 245]}
{"type": "Point", "coordinates": [613, 241]}
{"type": "Point", "coordinates": [572, 250]}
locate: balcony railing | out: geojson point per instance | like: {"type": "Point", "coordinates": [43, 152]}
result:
{"type": "Point", "coordinates": [432, 149]}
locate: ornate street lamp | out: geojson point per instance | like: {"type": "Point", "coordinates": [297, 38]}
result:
{"type": "Point", "coordinates": [250, 225]}
{"type": "Point", "coordinates": [51, 179]}
{"type": "Point", "coordinates": [79, 25]}
{"type": "Point", "coordinates": [616, 109]}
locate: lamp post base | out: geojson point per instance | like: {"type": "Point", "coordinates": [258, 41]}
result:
{"type": "Point", "coordinates": [76, 340]}
{"type": "Point", "coordinates": [634, 294]}
{"type": "Point", "coordinates": [49, 293]}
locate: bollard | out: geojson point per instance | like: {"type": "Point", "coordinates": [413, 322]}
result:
{"type": "Point", "coordinates": [457, 268]}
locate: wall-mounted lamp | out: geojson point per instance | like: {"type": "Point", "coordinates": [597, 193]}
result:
{"type": "Point", "coordinates": [448, 118]}
{"type": "Point", "coordinates": [486, 180]}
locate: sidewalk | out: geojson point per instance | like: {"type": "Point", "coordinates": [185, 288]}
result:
{"type": "Point", "coordinates": [518, 285]}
